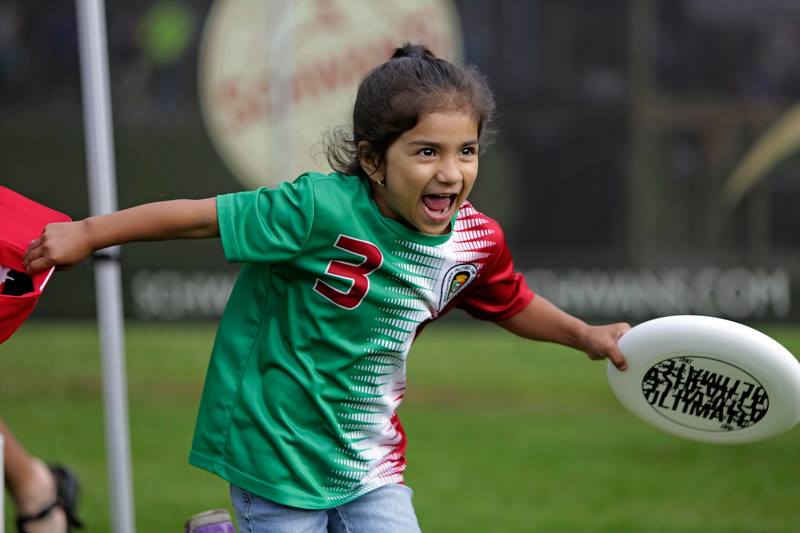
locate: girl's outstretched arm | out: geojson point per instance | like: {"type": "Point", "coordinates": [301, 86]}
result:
{"type": "Point", "coordinates": [67, 243]}
{"type": "Point", "coordinates": [543, 321]}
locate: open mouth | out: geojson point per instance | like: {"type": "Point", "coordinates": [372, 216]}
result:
{"type": "Point", "coordinates": [439, 206]}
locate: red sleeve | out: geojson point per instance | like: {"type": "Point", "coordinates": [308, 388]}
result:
{"type": "Point", "coordinates": [499, 292]}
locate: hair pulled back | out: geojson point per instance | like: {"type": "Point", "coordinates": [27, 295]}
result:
{"type": "Point", "coordinates": [393, 96]}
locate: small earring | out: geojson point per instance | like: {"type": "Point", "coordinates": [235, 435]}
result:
{"type": "Point", "coordinates": [381, 183]}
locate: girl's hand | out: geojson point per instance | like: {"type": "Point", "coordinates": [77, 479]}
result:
{"type": "Point", "coordinates": [600, 342]}
{"type": "Point", "coordinates": [61, 245]}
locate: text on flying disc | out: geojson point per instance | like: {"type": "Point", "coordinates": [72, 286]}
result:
{"type": "Point", "coordinates": [704, 393]}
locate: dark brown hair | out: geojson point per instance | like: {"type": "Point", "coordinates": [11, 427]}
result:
{"type": "Point", "coordinates": [393, 96]}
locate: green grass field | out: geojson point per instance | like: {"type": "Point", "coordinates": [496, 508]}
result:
{"type": "Point", "coordinates": [505, 435]}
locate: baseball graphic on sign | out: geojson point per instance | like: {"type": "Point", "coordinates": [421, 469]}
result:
{"type": "Point", "coordinates": [276, 75]}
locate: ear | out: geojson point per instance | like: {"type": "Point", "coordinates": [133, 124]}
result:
{"type": "Point", "coordinates": [369, 160]}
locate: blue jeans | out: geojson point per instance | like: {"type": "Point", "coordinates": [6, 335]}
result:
{"type": "Point", "coordinates": [386, 509]}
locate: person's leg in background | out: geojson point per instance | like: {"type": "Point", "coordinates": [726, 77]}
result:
{"type": "Point", "coordinates": [34, 488]}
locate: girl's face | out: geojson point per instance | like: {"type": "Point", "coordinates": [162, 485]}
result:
{"type": "Point", "coordinates": [428, 171]}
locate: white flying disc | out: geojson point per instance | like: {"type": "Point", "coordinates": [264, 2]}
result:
{"type": "Point", "coordinates": [708, 379]}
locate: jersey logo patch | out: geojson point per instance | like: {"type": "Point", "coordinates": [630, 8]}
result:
{"type": "Point", "coordinates": [456, 279]}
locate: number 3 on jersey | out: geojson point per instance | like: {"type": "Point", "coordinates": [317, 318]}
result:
{"type": "Point", "coordinates": [356, 272]}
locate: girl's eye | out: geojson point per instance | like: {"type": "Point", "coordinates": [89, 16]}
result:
{"type": "Point", "coordinates": [427, 152]}
{"type": "Point", "coordinates": [469, 150]}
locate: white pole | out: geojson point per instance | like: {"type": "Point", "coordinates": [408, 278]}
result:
{"type": "Point", "coordinates": [102, 196]}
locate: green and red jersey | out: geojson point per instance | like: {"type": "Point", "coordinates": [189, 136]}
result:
{"type": "Point", "coordinates": [308, 367]}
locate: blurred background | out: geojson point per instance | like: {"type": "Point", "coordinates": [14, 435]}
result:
{"type": "Point", "coordinates": [646, 164]}
{"type": "Point", "coordinates": [620, 124]}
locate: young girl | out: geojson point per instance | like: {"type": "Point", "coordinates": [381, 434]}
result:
{"type": "Point", "coordinates": [340, 272]}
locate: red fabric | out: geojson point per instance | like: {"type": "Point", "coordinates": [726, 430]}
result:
{"type": "Point", "coordinates": [21, 221]}
{"type": "Point", "coordinates": [499, 293]}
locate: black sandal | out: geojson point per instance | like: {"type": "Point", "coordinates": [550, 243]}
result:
{"type": "Point", "coordinates": [67, 492]}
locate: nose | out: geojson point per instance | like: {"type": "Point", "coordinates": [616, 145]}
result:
{"type": "Point", "coordinates": [449, 171]}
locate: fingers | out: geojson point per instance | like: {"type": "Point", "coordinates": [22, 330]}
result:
{"type": "Point", "coordinates": [616, 357]}
{"type": "Point", "coordinates": [621, 329]}
{"type": "Point", "coordinates": [38, 257]}
{"type": "Point", "coordinates": [33, 253]}
{"type": "Point", "coordinates": [34, 260]}
{"type": "Point", "coordinates": [607, 345]}
{"type": "Point", "coordinates": [614, 353]}
{"type": "Point", "coordinates": [38, 265]}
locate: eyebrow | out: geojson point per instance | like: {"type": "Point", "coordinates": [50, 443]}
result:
{"type": "Point", "coordinates": [423, 142]}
